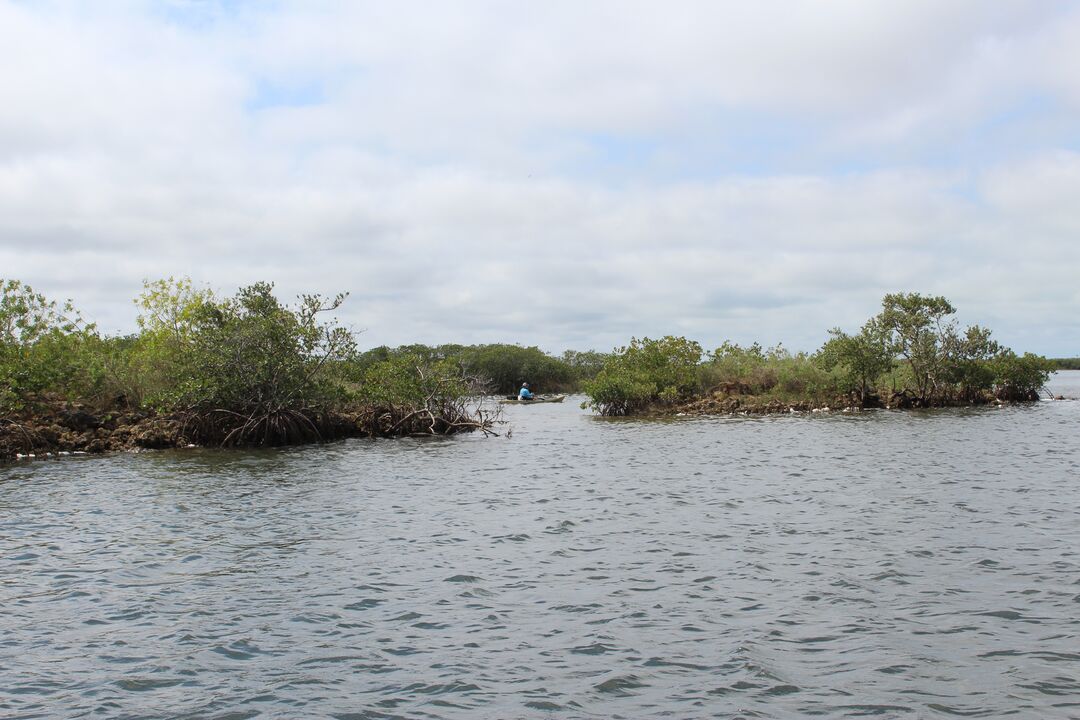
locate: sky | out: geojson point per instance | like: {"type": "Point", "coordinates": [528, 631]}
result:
{"type": "Point", "coordinates": [563, 174]}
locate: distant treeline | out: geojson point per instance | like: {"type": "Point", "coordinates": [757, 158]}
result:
{"type": "Point", "coordinates": [501, 368]}
{"type": "Point", "coordinates": [1066, 363]}
{"type": "Point", "coordinates": [912, 354]}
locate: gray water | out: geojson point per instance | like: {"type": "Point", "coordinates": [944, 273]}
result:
{"type": "Point", "coordinates": [897, 564]}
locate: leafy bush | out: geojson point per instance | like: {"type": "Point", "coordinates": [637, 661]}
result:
{"type": "Point", "coordinates": [800, 377]}
{"type": "Point", "coordinates": [1020, 377]}
{"type": "Point", "coordinates": [969, 370]}
{"type": "Point", "coordinates": [45, 347]}
{"type": "Point", "coordinates": [776, 373]}
{"type": "Point", "coordinates": [859, 359]}
{"type": "Point", "coordinates": [735, 369]}
{"type": "Point", "coordinates": [163, 361]}
{"type": "Point", "coordinates": [407, 394]}
{"type": "Point", "coordinates": [645, 373]}
{"type": "Point", "coordinates": [411, 381]}
{"type": "Point", "coordinates": [939, 363]}
{"type": "Point", "coordinates": [248, 368]}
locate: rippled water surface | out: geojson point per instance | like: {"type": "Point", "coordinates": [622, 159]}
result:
{"type": "Point", "coordinates": [839, 565]}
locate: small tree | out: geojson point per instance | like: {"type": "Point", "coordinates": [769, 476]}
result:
{"type": "Point", "coordinates": [916, 324]}
{"type": "Point", "coordinates": [254, 370]}
{"type": "Point", "coordinates": [44, 347]}
{"type": "Point", "coordinates": [862, 358]}
{"type": "Point", "coordinates": [162, 361]}
{"type": "Point", "coordinates": [968, 361]}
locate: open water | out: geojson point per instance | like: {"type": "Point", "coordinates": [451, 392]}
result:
{"type": "Point", "coordinates": [891, 564]}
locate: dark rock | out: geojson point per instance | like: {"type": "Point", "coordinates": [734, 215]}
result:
{"type": "Point", "coordinates": [77, 418]}
{"type": "Point", "coordinates": [157, 435]}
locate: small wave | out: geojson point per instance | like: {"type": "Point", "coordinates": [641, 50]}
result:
{"type": "Point", "coordinates": [365, 604]}
{"type": "Point", "coordinates": [1003, 614]}
{"type": "Point", "coordinates": [621, 685]}
{"type": "Point", "coordinates": [594, 649]}
{"type": "Point", "coordinates": [961, 711]}
{"type": "Point", "coordinates": [145, 684]}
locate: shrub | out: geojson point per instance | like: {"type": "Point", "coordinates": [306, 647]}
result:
{"type": "Point", "coordinates": [644, 373]}
{"type": "Point", "coordinates": [407, 394]}
{"type": "Point", "coordinates": [739, 369]}
{"type": "Point", "coordinates": [1020, 377]}
{"type": "Point", "coordinates": [45, 347]}
{"type": "Point", "coordinates": [409, 381]}
{"type": "Point", "coordinates": [859, 359]}
{"type": "Point", "coordinates": [968, 366]}
{"type": "Point", "coordinates": [248, 368]}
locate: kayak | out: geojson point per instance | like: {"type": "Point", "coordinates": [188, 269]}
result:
{"type": "Point", "coordinates": [513, 399]}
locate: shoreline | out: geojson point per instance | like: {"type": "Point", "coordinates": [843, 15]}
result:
{"type": "Point", "coordinates": [61, 429]}
{"type": "Point", "coordinates": [70, 429]}
{"type": "Point", "coordinates": [724, 404]}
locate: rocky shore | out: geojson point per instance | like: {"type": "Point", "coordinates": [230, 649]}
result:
{"type": "Point", "coordinates": [64, 428]}
{"type": "Point", "coordinates": [722, 402]}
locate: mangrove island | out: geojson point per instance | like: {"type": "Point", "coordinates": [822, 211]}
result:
{"type": "Point", "coordinates": [249, 370]}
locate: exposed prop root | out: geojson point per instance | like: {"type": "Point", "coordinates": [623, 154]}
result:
{"type": "Point", "coordinates": [451, 419]}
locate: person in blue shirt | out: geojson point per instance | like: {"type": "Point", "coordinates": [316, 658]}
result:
{"type": "Point", "coordinates": [524, 393]}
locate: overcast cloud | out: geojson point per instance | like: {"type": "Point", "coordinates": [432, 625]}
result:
{"type": "Point", "coordinates": [567, 174]}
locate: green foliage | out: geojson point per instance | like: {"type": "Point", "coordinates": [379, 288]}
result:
{"type": "Point", "coordinates": [273, 368]}
{"type": "Point", "coordinates": [505, 367]}
{"type": "Point", "coordinates": [502, 367]}
{"type": "Point", "coordinates": [412, 381]}
{"type": "Point", "coordinates": [800, 378]}
{"type": "Point", "coordinates": [171, 307]}
{"type": "Point", "coordinates": [645, 373]}
{"type": "Point", "coordinates": [408, 393]}
{"type": "Point", "coordinates": [1020, 377]}
{"type": "Point", "coordinates": [27, 316]}
{"type": "Point", "coordinates": [252, 355]}
{"type": "Point", "coordinates": [738, 370]}
{"type": "Point", "coordinates": [44, 347]}
{"type": "Point", "coordinates": [1066, 363]}
{"type": "Point", "coordinates": [859, 359]}
{"type": "Point", "coordinates": [916, 324]}
{"type": "Point", "coordinates": [941, 365]}
{"type": "Point", "coordinates": [163, 356]}
{"type": "Point", "coordinates": [912, 351]}
{"type": "Point", "coordinates": [245, 369]}
{"type": "Point", "coordinates": [968, 357]}
{"type": "Point", "coordinates": [584, 365]}
{"type": "Point", "coordinates": [774, 373]}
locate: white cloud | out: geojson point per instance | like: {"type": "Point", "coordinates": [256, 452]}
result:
{"type": "Point", "coordinates": [446, 163]}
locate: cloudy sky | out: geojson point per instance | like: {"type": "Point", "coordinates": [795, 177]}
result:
{"type": "Point", "coordinates": [567, 174]}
